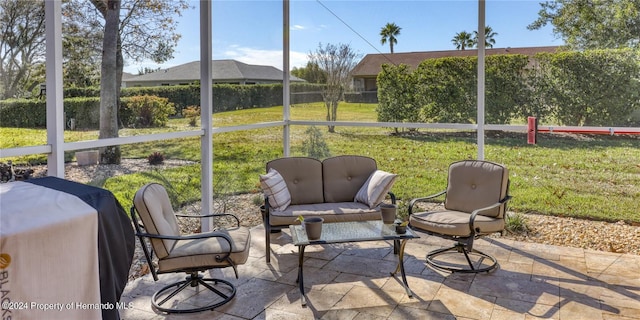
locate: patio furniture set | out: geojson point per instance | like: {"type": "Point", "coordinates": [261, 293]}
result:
{"type": "Point", "coordinates": [347, 193]}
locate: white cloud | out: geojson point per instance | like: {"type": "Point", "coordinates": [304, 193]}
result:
{"type": "Point", "coordinates": [297, 27]}
{"type": "Point", "coordinates": [263, 57]}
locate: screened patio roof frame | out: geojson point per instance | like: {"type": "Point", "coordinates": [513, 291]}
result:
{"type": "Point", "coordinates": [56, 146]}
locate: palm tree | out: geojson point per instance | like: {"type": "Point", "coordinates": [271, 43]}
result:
{"type": "Point", "coordinates": [389, 33]}
{"type": "Point", "coordinates": [462, 40]}
{"type": "Point", "coordinates": [489, 41]}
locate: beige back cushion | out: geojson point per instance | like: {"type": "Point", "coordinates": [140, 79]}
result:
{"type": "Point", "coordinates": [344, 175]}
{"type": "Point", "coordinates": [153, 205]}
{"type": "Point", "coordinates": [475, 184]}
{"type": "Point", "coordinates": [303, 177]}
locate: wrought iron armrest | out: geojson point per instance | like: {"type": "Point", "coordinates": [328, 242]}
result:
{"type": "Point", "coordinates": [474, 213]}
{"type": "Point", "coordinates": [423, 199]}
{"type": "Point", "coordinates": [215, 215]}
{"type": "Point", "coordinates": [392, 196]}
{"type": "Point", "coordinates": [213, 234]}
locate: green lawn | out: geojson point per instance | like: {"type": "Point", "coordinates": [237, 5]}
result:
{"type": "Point", "coordinates": [595, 177]}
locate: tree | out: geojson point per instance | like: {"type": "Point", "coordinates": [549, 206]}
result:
{"type": "Point", "coordinates": [337, 62]}
{"type": "Point", "coordinates": [311, 73]}
{"type": "Point", "coordinates": [82, 45]}
{"type": "Point", "coordinates": [145, 30]}
{"type": "Point", "coordinates": [81, 61]}
{"type": "Point", "coordinates": [109, 91]}
{"type": "Point", "coordinates": [489, 35]}
{"type": "Point", "coordinates": [588, 24]}
{"type": "Point", "coordinates": [22, 46]}
{"type": "Point", "coordinates": [462, 40]}
{"type": "Point", "coordinates": [389, 33]}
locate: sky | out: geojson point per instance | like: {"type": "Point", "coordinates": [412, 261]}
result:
{"type": "Point", "coordinates": [251, 31]}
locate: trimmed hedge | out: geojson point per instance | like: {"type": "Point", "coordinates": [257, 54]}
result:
{"type": "Point", "coordinates": [31, 113]}
{"type": "Point", "coordinates": [590, 88]}
{"type": "Point", "coordinates": [23, 113]}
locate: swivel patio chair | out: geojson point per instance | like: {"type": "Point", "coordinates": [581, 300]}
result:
{"type": "Point", "coordinates": [475, 205]}
{"type": "Point", "coordinates": [192, 254]}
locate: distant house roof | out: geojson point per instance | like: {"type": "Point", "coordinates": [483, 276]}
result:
{"type": "Point", "coordinates": [371, 64]}
{"type": "Point", "coordinates": [224, 71]}
{"type": "Point", "coordinates": [127, 75]}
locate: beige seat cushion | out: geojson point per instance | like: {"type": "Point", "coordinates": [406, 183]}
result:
{"type": "Point", "coordinates": [303, 177]}
{"type": "Point", "coordinates": [472, 185]}
{"type": "Point", "coordinates": [199, 253]}
{"type": "Point", "coordinates": [476, 184]}
{"type": "Point", "coordinates": [343, 176]}
{"type": "Point", "coordinates": [454, 223]}
{"type": "Point", "coordinates": [153, 205]}
{"type": "Point", "coordinates": [331, 212]}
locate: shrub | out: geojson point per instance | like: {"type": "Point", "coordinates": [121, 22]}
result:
{"type": "Point", "coordinates": [192, 113]}
{"type": "Point", "coordinates": [156, 158]}
{"type": "Point", "coordinates": [26, 113]}
{"type": "Point", "coordinates": [149, 111]}
{"type": "Point", "coordinates": [397, 102]}
{"type": "Point", "coordinates": [591, 87]}
{"type": "Point", "coordinates": [315, 146]}
{"type": "Point", "coordinates": [516, 222]}
{"type": "Point", "coordinates": [258, 200]}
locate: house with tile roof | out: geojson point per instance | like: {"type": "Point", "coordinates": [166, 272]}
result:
{"type": "Point", "coordinates": [224, 71]}
{"type": "Point", "coordinates": [365, 73]}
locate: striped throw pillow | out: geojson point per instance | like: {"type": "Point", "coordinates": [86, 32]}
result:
{"type": "Point", "coordinates": [275, 189]}
{"type": "Point", "coordinates": [374, 190]}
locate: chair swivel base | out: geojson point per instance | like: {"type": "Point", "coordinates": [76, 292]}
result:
{"type": "Point", "coordinates": [461, 267]}
{"type": "Point", "coordinates": [225, 292]}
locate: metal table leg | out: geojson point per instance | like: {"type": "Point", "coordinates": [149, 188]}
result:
{"type": "Point", "coordinates": [303, 299]}
{"type": "Point", "coordinates": [400, 268]}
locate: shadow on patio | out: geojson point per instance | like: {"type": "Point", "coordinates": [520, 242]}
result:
{"type": "Point", "coordinates": [351, 281]}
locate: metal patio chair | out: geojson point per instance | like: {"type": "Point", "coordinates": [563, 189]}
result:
{"type": "Point", "coordinates": [191, 254]}
{"type": "Point", "coordinates": [475, 205]}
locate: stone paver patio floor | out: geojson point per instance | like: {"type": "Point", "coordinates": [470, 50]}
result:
{"type": "Point", "coordinates": [352, 281]}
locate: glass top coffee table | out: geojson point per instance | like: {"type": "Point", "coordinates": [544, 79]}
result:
{"type": "Point", "coordinates": [341, 232]}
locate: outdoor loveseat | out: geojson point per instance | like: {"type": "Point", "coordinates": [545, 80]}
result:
{"type": "Point", "coordinates": [338, 189]}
